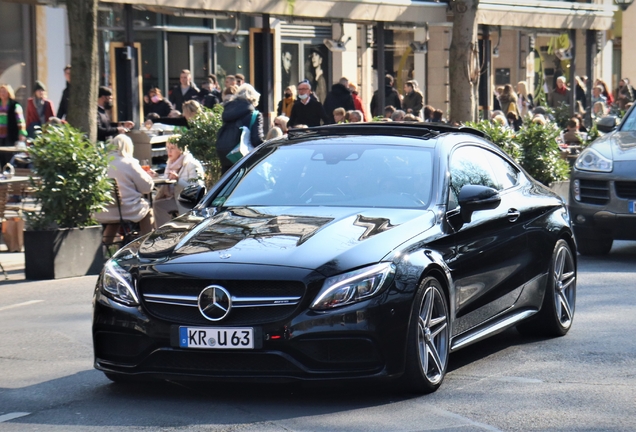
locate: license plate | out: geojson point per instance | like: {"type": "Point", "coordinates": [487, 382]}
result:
{"type": "Point", "coordinates": [216, 337]}
{"type": "Point", "coordinates": [632, 206]}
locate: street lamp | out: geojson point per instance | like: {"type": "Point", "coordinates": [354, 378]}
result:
{"type": "Point", "coordinates": [623, 4]}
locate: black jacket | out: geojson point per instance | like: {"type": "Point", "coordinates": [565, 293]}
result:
{"type": "Point", "coordinates": [237, 113]}
{"type": "Point", "coordinates": [177, 99]}
{"type": "Point", "coordinates": [163, 108]}
{"type": "Point", "coordinates": [62, 110]}
{"type": "Point", "coordinates": [309, 114]}
{"type": "Point", "coordinates": [105, 128]}
{"type": "Point", "coordinates": [391, 97]}
{"type": "Point", "coordinates": [338, 97]}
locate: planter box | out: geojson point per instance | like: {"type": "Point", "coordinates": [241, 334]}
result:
{"type": "Point", "coordinates": [63, 253]}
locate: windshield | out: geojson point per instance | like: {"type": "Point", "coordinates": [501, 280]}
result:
{"type": "Point", "coordinates": [630, 122]}
{"type": "Point", "coordinates": [334, 175]}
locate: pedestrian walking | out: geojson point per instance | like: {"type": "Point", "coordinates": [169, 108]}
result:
{"type": "Point", "coordinates": [307, 110]}
{"type": "Point", "coordinates": [287, 102]}
{"type": "Point", "coordinates": [357, 101]}
{"type": "Point", "coordinates": [508, 101]}
{"type": "Point", "coordinates": [560, 94]}
{"type": "Point", "coordinates": [413, 98]}
{"type": "Point", "coordinates": [238, 112]}
{"type": "Point", "coordinates": [339, 97]}
{"type": "Point", "coordinates": [62, 109]}
{"type": "Point", "coordinates": [12, 124]}
{"type": "Point", "coordinates": [624, 93]}
{"type": "Point", "coordinates": [184, 91]}
{"type": "Point", "coordinates": [391, 97]}
{"type": "Point", "coordinates": [39, 109]}
{"type": "Point", "coordinates": [525, 101]}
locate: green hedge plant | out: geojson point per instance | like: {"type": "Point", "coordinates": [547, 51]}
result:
{"type": "Point", "coordinates": [72, 177]}
{"type": "Point", "coordinates": [200, 140]}
{"type": "Point", "coordinates": [534, 147]}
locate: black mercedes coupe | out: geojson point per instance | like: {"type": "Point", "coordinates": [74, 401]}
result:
{"type": "Point", "coordinates": [341, 252]}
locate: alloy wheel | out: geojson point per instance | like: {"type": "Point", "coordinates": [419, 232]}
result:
{"type": "Point", "coordinates": [433, 333]}
{"type": "Point", "coordinates": [564, 286]}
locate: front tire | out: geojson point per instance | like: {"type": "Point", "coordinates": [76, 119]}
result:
{"type": "Point", "coordinates": [557, 311]}
{"type": "Point", "coordinates": [428, 339]}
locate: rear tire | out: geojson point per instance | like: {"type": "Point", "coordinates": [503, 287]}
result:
{"type": "Point", "coordinates": [428, 341]}
{"type": "Point", "coordinates": [557, 311]}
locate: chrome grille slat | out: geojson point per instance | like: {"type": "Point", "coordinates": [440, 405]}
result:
{"type": "Point", "coordinates": [254, 302]}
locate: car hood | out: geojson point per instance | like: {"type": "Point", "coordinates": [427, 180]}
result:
{"type": "Point", "coordinates": [621, 145]}
{"type": "Point", "coordinates": [321, 238]}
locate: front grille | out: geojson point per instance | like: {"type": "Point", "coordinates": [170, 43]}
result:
{"type": "Point", "coordinates": [220, 363]}
{"type": "Point", "coordinates": [594, 191]}
{"type": "Point", "coordinates": [254, 302]}
{"type": "Point", "coordinates": [625, 190]}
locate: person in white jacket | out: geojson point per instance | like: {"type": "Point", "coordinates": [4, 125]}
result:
{"type": "Point", "coordinates": [183, 168]}
{"type": "Point", "coordinates": [133, 184]}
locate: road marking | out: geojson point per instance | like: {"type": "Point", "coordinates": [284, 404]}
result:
{"type": "Point", "coordinates": [12, 416]}
{"type": "Point", "coordinates": [30, 302]}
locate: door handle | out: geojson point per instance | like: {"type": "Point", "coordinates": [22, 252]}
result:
{"type": "Point", "coordinates": [513, 215]}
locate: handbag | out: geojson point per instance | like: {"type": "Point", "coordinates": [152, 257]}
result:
{"type": "Point", "coordinates": [244, 145]}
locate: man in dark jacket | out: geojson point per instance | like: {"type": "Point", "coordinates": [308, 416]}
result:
{"type": "Point", "coordinates": [391, 97]}
{"type": "Point", "coordinates": [106, 128]}
{"type": "Point", "coordinates": [185, 91]}
{"type": "Point", "coordinates": [62, 110]}
{"type": "Point", "coordinates": [307, 110]}
{"type": "Point", "coordinates": [339, 97]}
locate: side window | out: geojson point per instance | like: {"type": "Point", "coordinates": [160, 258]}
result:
{"type": "Point", "coordinates": [507, 174]}
{"type": "Point", "coordinates": [469, 166]}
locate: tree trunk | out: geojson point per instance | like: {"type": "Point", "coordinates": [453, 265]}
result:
{"type": "Point", "coordinates": [463, 61]}
{"type": "Point", "coordinates": [82, 23]}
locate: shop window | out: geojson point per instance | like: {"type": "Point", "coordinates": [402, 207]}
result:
{"type": "Point", "coordinates": [176, 21]}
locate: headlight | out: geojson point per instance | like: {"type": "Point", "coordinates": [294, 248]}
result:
{"type": "Point", "coordinates": [354, 286]}
{"type": "Point", "coordinates": [591, 160]}
{"type": "Point", "coordinates": [118, 284]}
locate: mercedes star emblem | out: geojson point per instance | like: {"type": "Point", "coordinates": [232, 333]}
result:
{"type": "Point", "coordinates": [215, 303]}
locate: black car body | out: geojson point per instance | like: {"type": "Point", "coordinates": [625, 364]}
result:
{"type": "Point", "coordinates": [603, 188]}
{"type": "Point", "coordinates": [350, 251]}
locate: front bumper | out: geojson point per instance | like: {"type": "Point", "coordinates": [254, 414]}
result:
{"type": "Point", "coordinates": [362, 340]}
{"type": "Point", "coordinates": [602, 208]}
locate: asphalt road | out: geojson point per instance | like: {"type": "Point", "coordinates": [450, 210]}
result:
{"type": "Point", "coordinates": [585, 381]}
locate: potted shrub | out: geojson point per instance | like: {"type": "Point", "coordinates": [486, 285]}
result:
{"type": "Point", "coordinates": [200, 139]}
{"type": "Point", "coordinates": [63, 239]}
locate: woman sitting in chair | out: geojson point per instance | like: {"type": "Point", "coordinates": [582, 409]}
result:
{"type": "Point", "coordinates": [185, 170]}
{"type": "Point", "coordinates": [133, 182]}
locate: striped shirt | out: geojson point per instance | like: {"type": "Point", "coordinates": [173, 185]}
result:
{"type": "Point", "coordinates": [19, 117]}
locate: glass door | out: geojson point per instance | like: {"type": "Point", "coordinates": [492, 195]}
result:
{"type": "Point", "coordinates": [200, 58]}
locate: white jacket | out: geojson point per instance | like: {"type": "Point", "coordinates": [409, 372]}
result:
{"type": "Point", "coordinates": [133, 183]}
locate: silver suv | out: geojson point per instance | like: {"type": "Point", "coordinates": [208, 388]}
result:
{"type": "Point", "coordinates": [603, 188]}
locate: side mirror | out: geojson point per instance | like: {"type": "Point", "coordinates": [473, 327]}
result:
{"type": "Point", "coordinates": [191, 195]}
{"type": "Point", "coordinates": [473, 198]}
{"type": "Point", "coordinates": [606, 124]}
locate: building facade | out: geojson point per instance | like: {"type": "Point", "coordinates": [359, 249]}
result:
{"type": "Point", "coordinates": [223, 37]}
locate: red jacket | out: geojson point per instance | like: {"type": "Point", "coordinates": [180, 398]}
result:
{"type": "Point", "coordinates": [357, 103]}
{"type": "Point", "coordinates": [32, 113]}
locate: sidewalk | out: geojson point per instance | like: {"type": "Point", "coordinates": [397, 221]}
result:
{"type": "Point", "coordinates": [13, 263]}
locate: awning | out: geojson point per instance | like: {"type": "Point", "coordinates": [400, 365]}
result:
{"type": "Point", "coordinates": [546, 14]}
{"type": "Point", "coordinates": [349, 10]}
